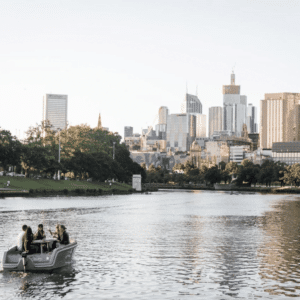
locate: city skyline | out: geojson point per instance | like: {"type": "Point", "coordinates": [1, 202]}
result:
{"type": "Point", "coordinates": [124, 60]}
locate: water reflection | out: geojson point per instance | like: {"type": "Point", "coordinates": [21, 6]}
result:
{"type": "Point", "coordinates": [165, 246]}
{"type": "Point", "coordinates": [280, 256]}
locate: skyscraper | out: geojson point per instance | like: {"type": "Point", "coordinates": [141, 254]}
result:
{"type": "Point", "coordinates": [200, 125]}
{"type": "Point", "coordinates": [163, 113]}
{"type": "Point", "coordinates": [234, 108]}
{"type": "Point", "coordinates": [128, 131]}
{"type": "Point", "coordinates": [215, 119]}
{"type": "Point", "coordinates": [181, 131]}
{"type": "Point", "coordinates": [191, 104]}
{"type": "Point", "coordinates": [161, 127]}
{"type": "Point", "coordinates": [251, 119]}
{"type": "Point", "coordinates": [279, 119]}
{"type": "Point", "coordinates": [55, 110]}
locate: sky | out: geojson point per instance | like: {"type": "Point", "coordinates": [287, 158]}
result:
{"type": "Point", "coordinates": [125, 59]}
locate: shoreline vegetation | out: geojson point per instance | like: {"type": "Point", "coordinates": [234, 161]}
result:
{"type": "Point", "coordinates": [228, 188]}
{"type": "Point", "coordinates": [23, 187]}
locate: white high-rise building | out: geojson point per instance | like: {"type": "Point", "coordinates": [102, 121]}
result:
{"type": "Point", "coordinates": [200, 125]}
{"type": "Point", "coordinates": [181, 131]}
{"type": "Point", "coordinates": [234, 108]}
{"type": "Point", "coordinates": [55, 110]}
{"type": "Point", "coordinates": [215, 119]}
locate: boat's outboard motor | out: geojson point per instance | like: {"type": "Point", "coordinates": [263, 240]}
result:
{"type": "Point", "coordinates": [24, 255]}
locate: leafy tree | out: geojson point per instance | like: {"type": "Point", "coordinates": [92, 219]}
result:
{"type": "Point", "coordinates": [267, 173]}
{"type": "Point", "coordinates": [248, 172]}
{"type": "Point", "coordinates": [10, 149]}
{"type": "Point", "coordinates": [213, 175]}
{"type": "Point", "coordinates": [292, 175]}
{"type": "Point", "coordinates": [190, 169]}
{"type": "Point", "coordinates": [232, 168]}
{"type": "Point", "coordinates": [222, 165]}
{"type": "Point", "coordinates": [225, 176]}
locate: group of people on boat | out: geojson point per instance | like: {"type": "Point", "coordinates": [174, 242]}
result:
{"type": "Point", "coordinates": [26, 238]}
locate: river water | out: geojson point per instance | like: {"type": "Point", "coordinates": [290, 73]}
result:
{"type": "Point", "coordinates": [163, 245]}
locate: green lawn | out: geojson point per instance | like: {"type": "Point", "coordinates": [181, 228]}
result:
{"type": "Point", "coordinates": [20, 183]}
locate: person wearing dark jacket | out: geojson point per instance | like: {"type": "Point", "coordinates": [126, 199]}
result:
{"type": "Point", "coordinates": [40, 234]}
{"type": "Point", "coordinates": [63, 236]}
{"type": "Point", "coordinates": [27, 241]}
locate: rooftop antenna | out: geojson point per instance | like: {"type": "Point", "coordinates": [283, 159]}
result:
{"type": "Point", "coordinates": [197, 90]}
{"type": "Point", "coordinates": [186, 87]}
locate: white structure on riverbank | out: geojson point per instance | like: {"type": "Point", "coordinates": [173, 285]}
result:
{"type": "Point", "coordinates": [137, 182]}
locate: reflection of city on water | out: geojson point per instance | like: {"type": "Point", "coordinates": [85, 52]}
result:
{"type": "Point", "coordinates": [213, 253]}
{"type": "Point", "coordinates": [280, 254]}
{"type": "Point", "coordinates": [164, 245]}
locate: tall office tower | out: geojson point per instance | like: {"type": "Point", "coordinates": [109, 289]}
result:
{"type": "Point", "coordinates": [161, 127]}
{"type": "Point", "coordinates": [128, 131]}
{"type": "Point", "coordinates": [234, 108]}
{"type": "Point", "coordinates": [279, 119]}
{"type": "Point", "coordinates": [215, 119]}
{"type": "Point", "coordinates": [163, 113]}
{"type": "Point", "coordinates": [181, 131]}
{"type": "Point", "coordinates": [191, 104]}
{"type": "Point", "coordinates": [200, 125]}
{"type": "Point", "coordinates": [55, 110]}
{"type": "Point", "coordinates": [251, 120]}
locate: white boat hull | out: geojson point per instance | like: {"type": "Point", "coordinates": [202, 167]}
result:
{"type": "Point", "coordinates": [59, 257]}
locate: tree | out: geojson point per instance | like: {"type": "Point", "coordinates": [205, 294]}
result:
{"type": "Point", "coordinates": [247, 173]}
{"type": "Point", "coordinates": [10, 149]}
{"type": "Point", "coordinates": [213, 175]}
{"type": "Point", "coordinates": [222, 165]}
{"type": "Point", "coordinates": [267, 174]}
{"type": "Point", "coordinates": [232, 168]}
{"type": "Point", "coordinates": [190, 169]}
{"type": "Point", "coordinates": [292, 175]}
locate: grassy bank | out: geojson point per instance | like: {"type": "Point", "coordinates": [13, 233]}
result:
{"type": "Point", "coordinates": [49, 186]}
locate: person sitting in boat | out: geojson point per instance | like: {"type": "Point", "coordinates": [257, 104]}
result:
{"type": "Point", "coordinates": [63, 236]}
{"type": "Point", "coordinates": [55, 234]}
{"type": "Point", "coordinates": [27, 241]}
{"type": "Point", "coordinates": [40, 234]}
{"type": "Point", "coordinates": [20, 239]}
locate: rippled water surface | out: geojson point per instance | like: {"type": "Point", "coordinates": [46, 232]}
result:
{"type": "Point", "coordinates": [164, 245]}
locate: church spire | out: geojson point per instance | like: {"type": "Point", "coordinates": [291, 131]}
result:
{"type": "Point", "coordinates": [99, 122]}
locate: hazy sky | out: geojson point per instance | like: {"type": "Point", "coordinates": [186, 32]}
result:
{"type": "Point", "coordinates": [125, 59]}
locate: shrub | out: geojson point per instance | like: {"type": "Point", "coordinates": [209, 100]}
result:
{"type": "Point", "coordinates": [100, 191]}
{"type": "Point", "coordinates": [31, 191]}
{"type": "Point", "coordinates": [79, 191]}
{"type": "Point", "coordinates": [91, 191]}
{"type": "Point", "coordinates": [65, 191]}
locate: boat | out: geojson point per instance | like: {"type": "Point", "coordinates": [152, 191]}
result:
{"type": "Point", "coordinates": [14, 260]}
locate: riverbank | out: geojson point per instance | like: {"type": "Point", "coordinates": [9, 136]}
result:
{"type": "Point", "coordinates": [20, 186]}
{"type": "Point", "coordinates": [227, 187]}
